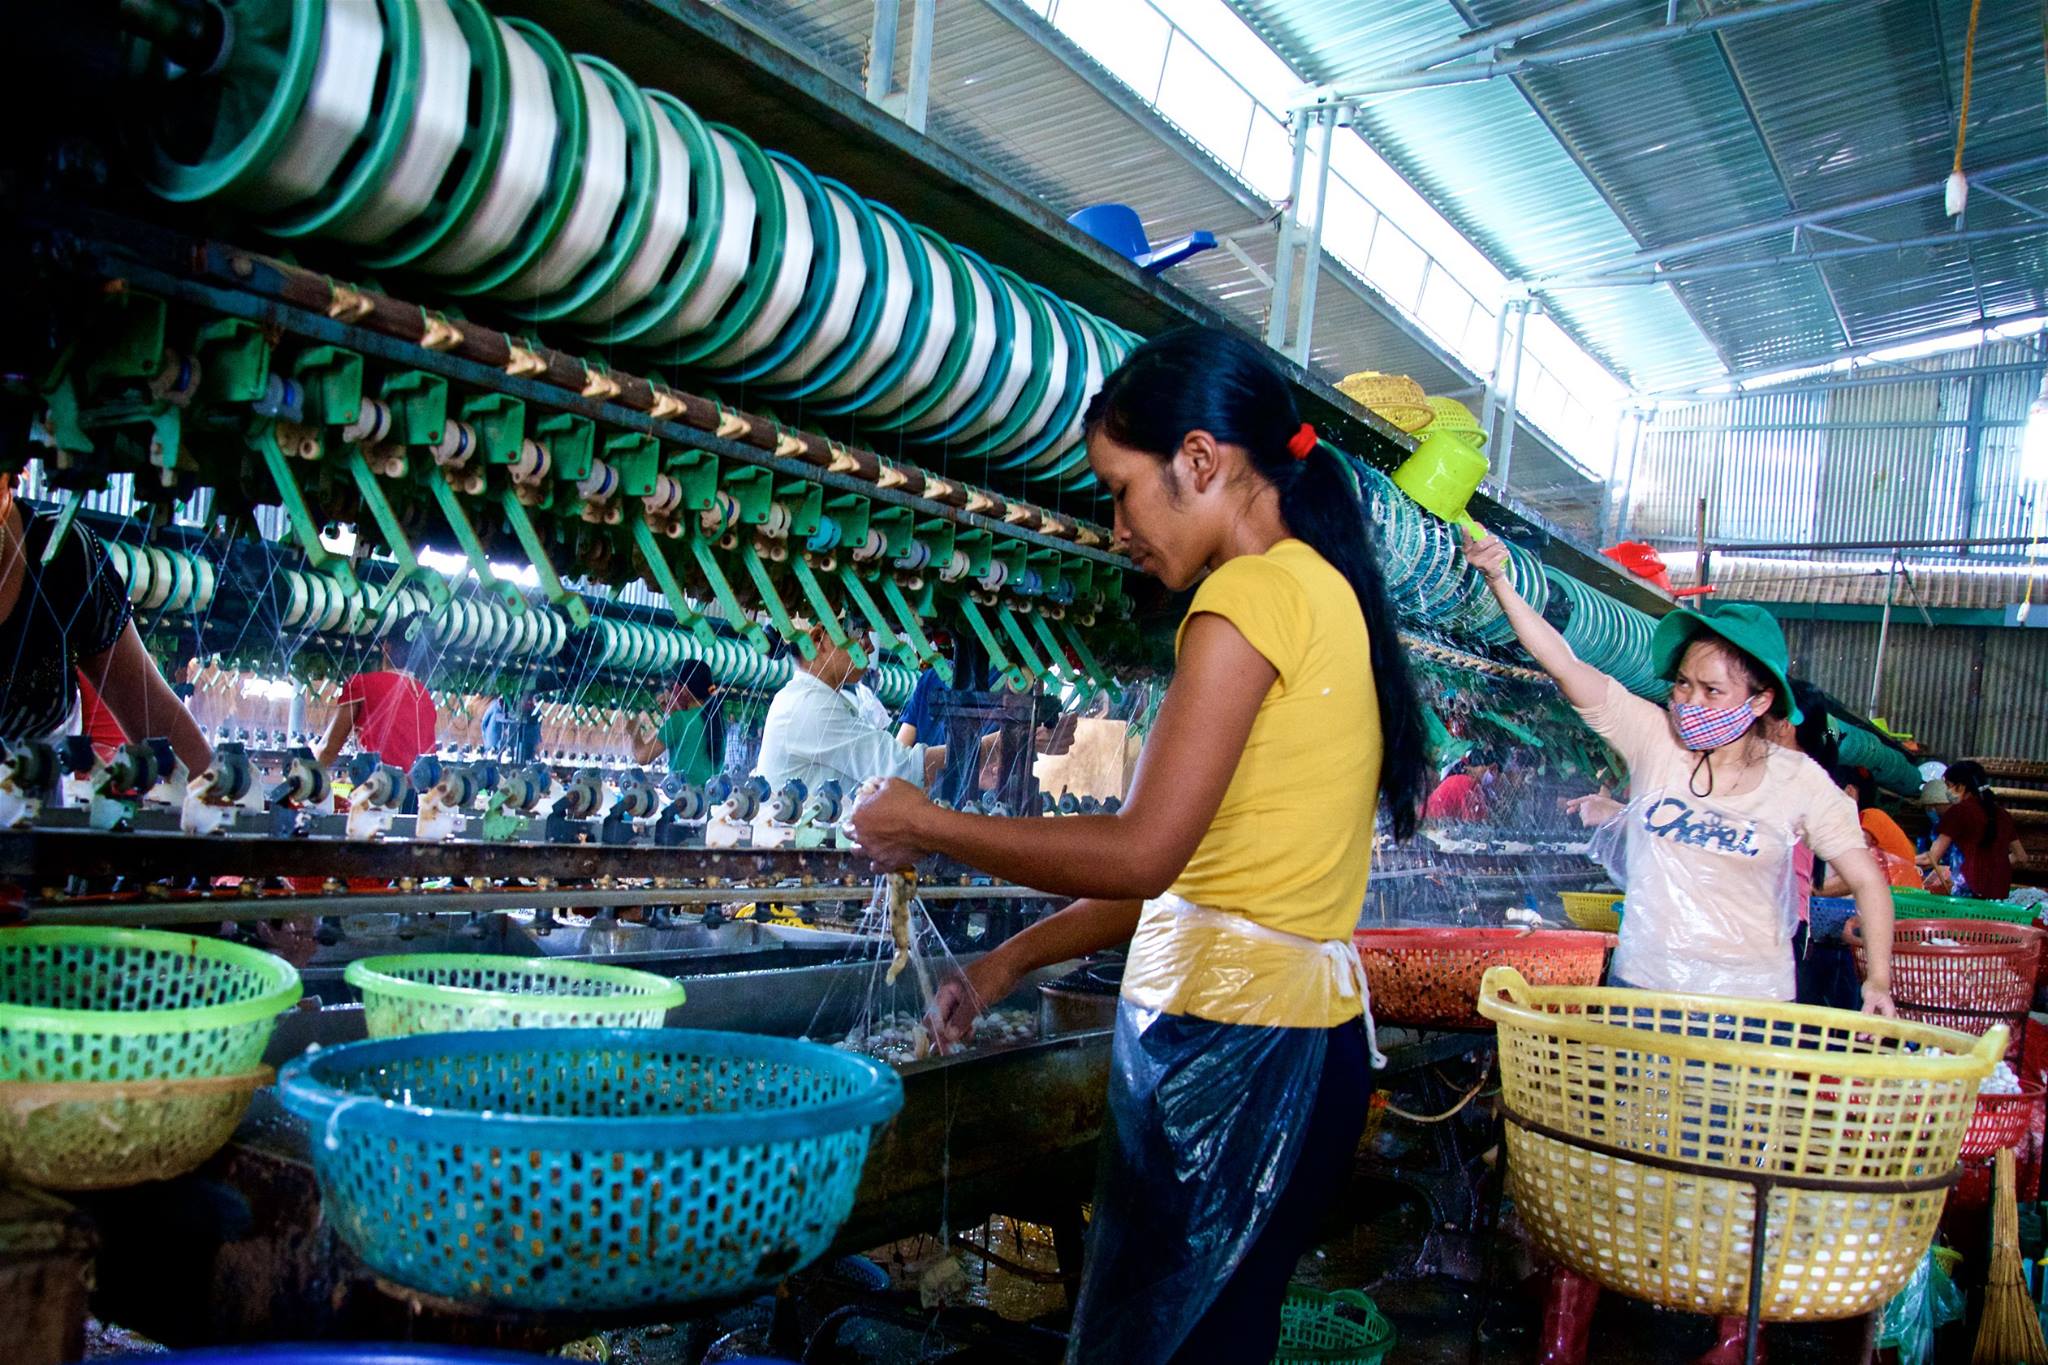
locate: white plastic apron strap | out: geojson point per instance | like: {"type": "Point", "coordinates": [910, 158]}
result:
{"type": "Point", "coordinates": [1339, 955]}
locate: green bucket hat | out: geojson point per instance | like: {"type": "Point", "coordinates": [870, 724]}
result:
{"type": "Point", "coordinates": [1750, 629]}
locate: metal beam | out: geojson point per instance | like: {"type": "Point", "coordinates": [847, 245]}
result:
{"type": "Point", "coordinates": [882, 52]}
{"type": "Point", "coordinates": [1810, 257]}
{"type": "Point", "coordinates": [917, 99]}
{"type": "Point", "coordinates": [1865, 355]}
{"type": "Point", "coordinates": [1806, 218]}
{"type": "Point", "coordinates": [1420, 78]}
{"type": "Point", "coordinates": [1312, 264]}
{"type": "Point", "coordinates": [1500, 35]}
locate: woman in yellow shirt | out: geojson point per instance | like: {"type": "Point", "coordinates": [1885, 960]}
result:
{"type": "Point", "coordinates": [1236, 869]}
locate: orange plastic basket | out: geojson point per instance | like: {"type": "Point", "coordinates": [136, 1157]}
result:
{"type": "Point", "coordinates": [1964, 974]}
{"type": "Point", "coordinates": [1429, 978]}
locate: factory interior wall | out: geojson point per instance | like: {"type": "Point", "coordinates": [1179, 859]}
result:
{"type": "Point", "coordinates": [1962, 691]}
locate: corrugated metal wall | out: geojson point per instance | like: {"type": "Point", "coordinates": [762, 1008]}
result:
{"type": "Point", "coordinates": [1960, 690]}
{"type": "Point", "coordinates": [1871, 462]}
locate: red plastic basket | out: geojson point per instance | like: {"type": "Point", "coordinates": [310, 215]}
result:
{"type": "Point", "coordinates": [2000, 1121]}
{"type": "Point", "coordinates": [1429, 978]}
{"type": "Point", "coordinates": [1980, 973]}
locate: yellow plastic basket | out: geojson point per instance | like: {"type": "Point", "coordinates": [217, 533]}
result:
{"type": "Point", "coordinates": [1596, 910]}
{"type": "Point", "coordinates": [1395, 397]}
{"type": "Point", "coordinates": [1454, 418]}
{"type": "Point", "coordinates": [1641, 1128]}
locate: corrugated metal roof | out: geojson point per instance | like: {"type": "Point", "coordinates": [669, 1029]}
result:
{"type": "Point", "coordinates": [1861, 582]}
{"type": "Point", "coordinates": [1561, 167]}
{"type": "Point", "coordinates": [1957, 690]}
{"type": "Point", "coordinates": [1850, 461]}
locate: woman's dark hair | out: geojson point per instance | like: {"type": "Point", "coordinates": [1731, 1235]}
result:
{"type": "Point", "coordinates": [1816, 735]}
{"type": "Point", "coordinates": [1971, 777]}
{"type": "Point", "coordinates": [695, 678]}
{"type": "Point", "coordinates": [413, 644]}
{"type": "Point", "coordinates": [1205, 379]}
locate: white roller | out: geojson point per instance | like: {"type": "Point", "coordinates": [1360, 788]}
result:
{"type": "Point", "coordinates": [1091, 383]}
{"type": "Point", "coordinates": [668, 218]}
{"type": "Point", "coordinates": [598, 192]}
{"type": "Point", "coordinates": [728, 258]}
{"type": "Point", "coordinates": [1022, 340]}
{"type": "Point", "coordinates": [979, 352]}
{"type": "Point", "coordinates": [799, 244]}
{"type": "Point", "coordinates": [336, 108]}
{"type": "Point", "coordinates": [881, 343]}
{"type": "Point", "coordinates": [521, 173]}
{"type": "Point", "coordinates": [440, 116]}
{"type": "Point", "coordinates": [1049, 401]}
{"type": "Point", "coordinates": [937, 337]}
{"type": "Point", "coordinates": [837, 318]}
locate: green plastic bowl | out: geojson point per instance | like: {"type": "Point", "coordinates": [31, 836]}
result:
{"type": "Point", "coordinates": [462, 992]}
{"type": "Point", "coordinates": [92, 1004]}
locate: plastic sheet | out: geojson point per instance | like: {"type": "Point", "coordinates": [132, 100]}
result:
{"type": "Point", "coordinates": [1928, 1302]}
{"type": "Point", "coordinates": [1220, 1040]}
{"type": "Point", "coordinates": [1710, 907]}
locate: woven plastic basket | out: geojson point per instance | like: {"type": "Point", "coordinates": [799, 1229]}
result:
{"type": "Point", "coordinates": [89, 1004]}
{"type": "Point", "coordinates": [1966, 974]}
{"type": "Point", "coordinates": [1639, 1126]}
{"type": "Point", "coordinates": [1429, 978]}
{"type": "Point", "coordinates": [1599, 911]}
{"type": "Point", "coordinates": [1395, 397]}
{"type": "Point", "coordinates": [1910, 904]}
{"type": "Point", "coordinates": [1344, 1328]}
{"type": "Point", "coordinates": [456, 992]}
{"type": "Point", "coordinates": [105, 1135]}
{"type": "Point", "coordinates": [1451, 416]}
{"type": "Point", "coordinates": [599, 1170]}
{"type": "Point", "coordinates": [2000, 1121]}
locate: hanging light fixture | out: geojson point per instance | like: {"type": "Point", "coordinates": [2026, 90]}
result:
{"type": "Point", "coordinates": [1956, 193]}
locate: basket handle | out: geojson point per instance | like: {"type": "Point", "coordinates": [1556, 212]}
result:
{"type": "Point", "coordinates": [1990, 1049]}
{"type": "Point", "coordinates": [1504, 981]}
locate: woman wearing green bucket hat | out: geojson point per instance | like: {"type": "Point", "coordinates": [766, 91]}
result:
{"type": "Point", "coordinates": [1704, 847]}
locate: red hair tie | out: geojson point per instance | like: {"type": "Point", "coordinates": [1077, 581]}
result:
{"type": "Point", "coordinates": [1302, 441]}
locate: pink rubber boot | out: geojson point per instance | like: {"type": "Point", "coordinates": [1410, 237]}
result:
{"type": "Point", "coordinates": [1729, 1337]}
{"type": "Point", "coordinates": [1568, 1304]}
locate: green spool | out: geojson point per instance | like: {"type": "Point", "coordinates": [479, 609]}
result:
{"type": "Point", "coordinates": [824, 274]}
{"type": "Point", "coordinates": [965, 316]}
{"type": "Point", "coordinates": [1051, 444]}
{"type": "Point", "coordinates": [969, 413]}
{"type": "Point", "coordinates": [770, 222]}
{"type": "Point", "coordinates": [1065, 466]}
{"type": "Point", "coordinates": [247, 107]}
{"type": "Point", "coordinates": [915, 325]}
{"type": "Point", "coordinates": [636, 206]}
{"type": "Point", "coordinates": [700, 240]}
{"type": "Point", "coordinates": [1043, 433]}
{"type": "Point", "coordinates": [1033, 392]}
{"type": "Point", "coordinates": [572, 140]}
{"type": "Point", "coordinates": [414, 993]}
{"type": "Point", "coordinates": [363, 170]}
{"type": "Point", "coordinates": [478, 153]}
{"type": "Point", "coordinates": [867, 315]}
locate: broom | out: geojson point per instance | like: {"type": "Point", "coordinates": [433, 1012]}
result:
{"type": "Point", "coordinates": [2010, 1333]}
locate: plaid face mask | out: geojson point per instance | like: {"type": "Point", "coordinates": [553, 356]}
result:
{"type": "Point", "coordinates": [1710, 727]}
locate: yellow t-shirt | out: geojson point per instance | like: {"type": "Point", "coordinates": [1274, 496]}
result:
{"type": "Point", "coordinates": [1291, 845]}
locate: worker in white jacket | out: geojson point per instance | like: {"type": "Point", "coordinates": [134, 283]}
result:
{"type": "Point", "coordinates": [816, 732]}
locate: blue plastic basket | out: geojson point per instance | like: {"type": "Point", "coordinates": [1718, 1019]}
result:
{"type": "Point", "coordinates": [1826, 918]}
{"type": "Point", "coordinates": [594, 1170]}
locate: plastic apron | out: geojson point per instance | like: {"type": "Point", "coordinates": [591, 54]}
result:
{"type": "Point", "coordinates": [1206, 1119]}
{"type": "Point", "coordinates": [1709, 895]}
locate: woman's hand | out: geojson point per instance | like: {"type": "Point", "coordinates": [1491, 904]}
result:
{"type": "Point", "coordinates": [962, 999]}
{"type": "Point", "coordinates": [888, 823]}
{"type": "Point", "coordinates": [1488, 556]}
{"type": "Point", "coordinates": [1593, 809]}
{"type": "Point", "coordinates": [1878, 1000]}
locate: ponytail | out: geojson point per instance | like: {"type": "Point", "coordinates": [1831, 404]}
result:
{"type": "Point", "coordinates": [1206, 379]}
{"type": "Point", "coordinates": [1971, 777]}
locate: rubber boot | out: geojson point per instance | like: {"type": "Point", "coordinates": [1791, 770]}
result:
{"type": "Point", "coordinates": [1568, 1304]}
{"type": "Point", "coordinates": [1729, 1334]}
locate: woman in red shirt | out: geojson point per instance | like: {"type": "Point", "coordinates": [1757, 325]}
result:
{"type": "Point", "coordinates": [389, 710]}
{"type": "Point", "coordinates": [1981, 828]}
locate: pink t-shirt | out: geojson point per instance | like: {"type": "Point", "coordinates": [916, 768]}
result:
{"type": "Point", "coordinates": [1711, 879]}
{"type": "Point", "coordinates": [394, 716]}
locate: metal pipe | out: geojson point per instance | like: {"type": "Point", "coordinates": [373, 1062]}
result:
{"type": "Point", "coordinates": [1884, 630]}
{"type": "Point", "coordinates": [1418, 78]}
{"type": "Point", "coordinates": [1499, 35]}
{"type": "Point", "coordinates": [1972, 542]}
{"type": "Point", "coordinates": [1311, 269]}
{"type": "Point", "coordinates": [1832, 253]}
{"type": "Point", "coordinates": [882, 51]}
{"type": "Point", "coordinates": [1808, 218]}
{"type": "Point", "coordinates": [1847, 379]}
{"type": "Point", "coordinates": [1490, 405]}
{"type": "Point", "coordinates": [1506, 469]}
{"type": "Point", "coordinates": [918, 100]}
{"type": "Point", "coordinates": [1290, 219]}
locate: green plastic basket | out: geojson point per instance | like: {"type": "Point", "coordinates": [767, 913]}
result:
{"type": "Point", "coordinates": [1911, 904]}
{"type": "Point", "coordinates": [459, 992]}
{"type": "Point", "coordinates": [1324, 1329]}
{"type": "Point", "coordinates": [108, 1135]}
{"type": "Point", "coordinates": [90, 1004]}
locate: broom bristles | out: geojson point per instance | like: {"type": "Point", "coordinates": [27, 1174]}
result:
{"type": "Point", "coordinates": [2010, 1333]}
